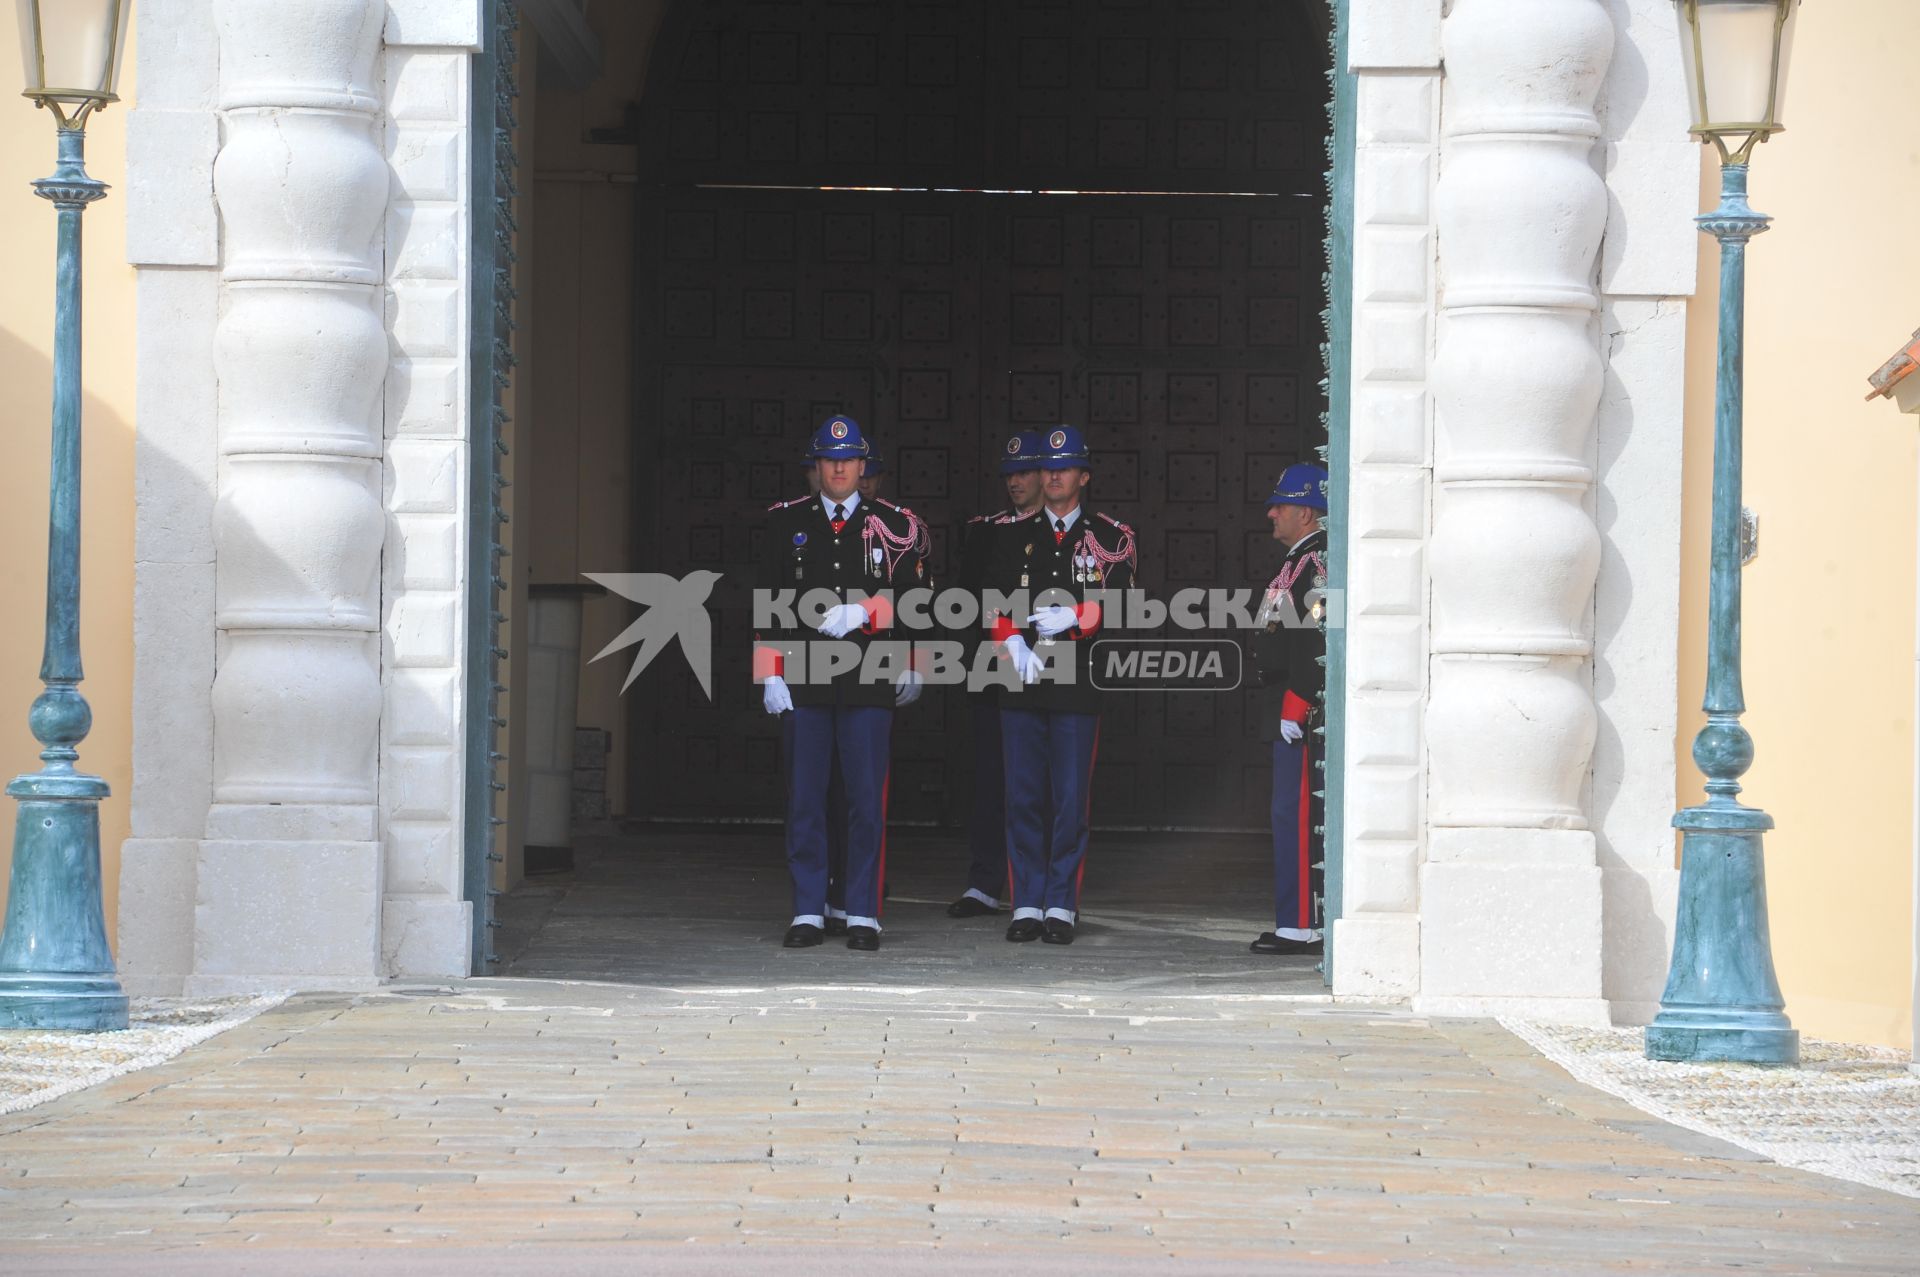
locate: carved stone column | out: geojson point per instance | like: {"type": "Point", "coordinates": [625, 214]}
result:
{"type": "Point", "coordinates": [1510, 892]}
{"type": "Point", "coordinates": [289, 876]}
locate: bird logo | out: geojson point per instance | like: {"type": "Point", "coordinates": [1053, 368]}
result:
{"type": "Point", "coordinates": [675, 608]}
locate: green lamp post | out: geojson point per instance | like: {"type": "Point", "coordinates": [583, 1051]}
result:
{"type": "Point", "coordinates": [1722, 1000]}
{"type": "Point", "coordinates": [56, 971]}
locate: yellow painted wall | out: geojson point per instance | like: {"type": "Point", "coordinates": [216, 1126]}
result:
{"type": "Point", "coordinates": [1833, 289]}
{"type": "Point", "coordinates": [26, 386]}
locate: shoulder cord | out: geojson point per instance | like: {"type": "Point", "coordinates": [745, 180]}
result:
{"type": "Point", "coordinates": [893, 545]}
{"type": "Point", "coordinates": [1104, 558]}
{"type": "Point", "coordinates": [1290, 572]}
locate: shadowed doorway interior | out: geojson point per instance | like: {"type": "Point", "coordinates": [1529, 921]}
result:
{"type": "Point", "coordinates": [954, 219]}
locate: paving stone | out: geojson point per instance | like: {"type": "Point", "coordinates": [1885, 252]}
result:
{"type": "Point", "coordinates": [1192, 1111]}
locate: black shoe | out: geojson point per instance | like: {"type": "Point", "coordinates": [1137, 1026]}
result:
{"type": "Point", "coordinates": [1280, 946]}
{"type": "Point", "coordinates": [865, 939]}
{"type": "Point", "coordinates": [1021, 930]}
{"type": "Point", "coordinates": [836, 926]}
{"type": "Point", "coordinates": [970, 907]}
{"type": "Point", "coordinates": [1058, 931]}
{"type": "Point", "coordinates": [802, 935]}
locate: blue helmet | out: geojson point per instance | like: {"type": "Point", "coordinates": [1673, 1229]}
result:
{"type": "Point", "coordinates": [1301, 484]}
{"type": "Point", "coordinates": [838, 438]}
{"type": "Point", "coordinates": [1022, 452]}
{"type": "Point", "coordinates": [1064, 449]}
{"type": "Point", "coordinates": [876, 465]}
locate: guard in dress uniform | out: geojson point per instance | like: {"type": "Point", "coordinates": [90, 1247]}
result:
{"type": "Point", "coordinates": [1288, 677]}
{"type": "Point", "coordinates": [836, 786]}
{"type": "Point", "coordinates": [987, 823]}
{"type": "Point", "coordinates": [833, 694]}
{"type": "Point", "coordinates": [1050, 723]}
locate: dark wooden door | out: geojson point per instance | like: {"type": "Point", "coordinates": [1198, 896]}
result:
{"type": "Point", "coordinates": [1174, 316]}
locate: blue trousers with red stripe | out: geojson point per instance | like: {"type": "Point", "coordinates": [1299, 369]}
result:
{"type": "Point", "coordinates": [987, 824]}
{"type": "Point", "coordinates": [814, 738]}
{"type": "Point", "coordinates": [1294, 879]}
{"type": "Point", "coordinates": [1049, 759]}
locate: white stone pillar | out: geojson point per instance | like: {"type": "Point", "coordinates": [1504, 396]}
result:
{"type": "Point", "coordinates": [173, 240]}
{"type": "Point", "coordinates": [1511, 892]}
{"type": "Point", "coordinates": [289, 875]}
{"type": "Point", "coordinates": [1394, 54]}
{"type": "Point", "coordinates": [426, 924]}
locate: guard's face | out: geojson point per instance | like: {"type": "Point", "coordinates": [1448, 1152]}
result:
{"type": "Point", "coordinates": [1063, 487]}
{"type": "Point", "coordinates": [870, 486]}
{"type": "Point", "coordinates": [838, 476]}
{"type": "Point", "coordinates": [1023, 489]}
{"type": "Point", "coordinates": [1291, 522]}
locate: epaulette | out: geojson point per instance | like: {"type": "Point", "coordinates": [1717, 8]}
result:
{"type": "Point", "coordinates": [782, 505]}
{"type": "Point", "coordinates": [911, 518]}
{"type": "Point", "coordinates": [1124, 527]}
{"type": "Point", "coordinates": [998, 516]}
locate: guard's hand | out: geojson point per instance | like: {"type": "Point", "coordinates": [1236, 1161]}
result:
{"type": "Point", "coordinates": [1057, 619]}
{"type": "Point", "coordinates": [1291, 732]}
{"type": "Point", "coordinates": [1026, 662]}
{"type": "Point", "coordinates": [842, 620]}
{"type": "Point", "coordinates": [906, 688]}
{"type": "Point", "coordinates": [775, 696]}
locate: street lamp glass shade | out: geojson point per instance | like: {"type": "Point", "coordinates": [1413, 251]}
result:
{"type": "Point", "coordinates": [1736, 54]}
{"type": "Point", "coordinates": [72, 49]}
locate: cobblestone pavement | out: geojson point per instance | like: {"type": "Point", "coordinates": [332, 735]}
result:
{"type": "Point", "coordinates": [37, 1066]}
{"type": "Point", "coordinates": [1849, 1111]}
{"type": "Point", "coordinates": [1223, 1127]}
{"type": "Point", "coordinates": [714, 1104]}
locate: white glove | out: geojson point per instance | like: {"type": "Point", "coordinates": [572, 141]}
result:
{"type": "Point", "coordinates": [1057, 619]}
{"type": "Point", "coordinates": [1291, 732]}
{"type": "Point", "coordinates": [1025, 662]}
{"type": "Point", "coordinates": [842, 620]}
{"type": "Point", "coordinates": [775, 696]}
{"type": "Point", "coordinates": [906, 688]}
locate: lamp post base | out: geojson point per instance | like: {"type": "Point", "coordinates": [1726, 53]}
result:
{"type": "Point", "coordinates": [1722, 1003]}
{"type": "Point", "coordinates": [1725, 1038]}
{"type": "Point", "coordinates": [77, 1003]}
{"type": "Point", "coordinates": [56, 971]}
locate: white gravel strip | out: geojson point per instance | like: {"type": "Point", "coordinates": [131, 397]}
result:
{"type": "Point", "coordinates": [1851, 1112]}
{"type": "Point", "coordinates": [37, 1066]}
